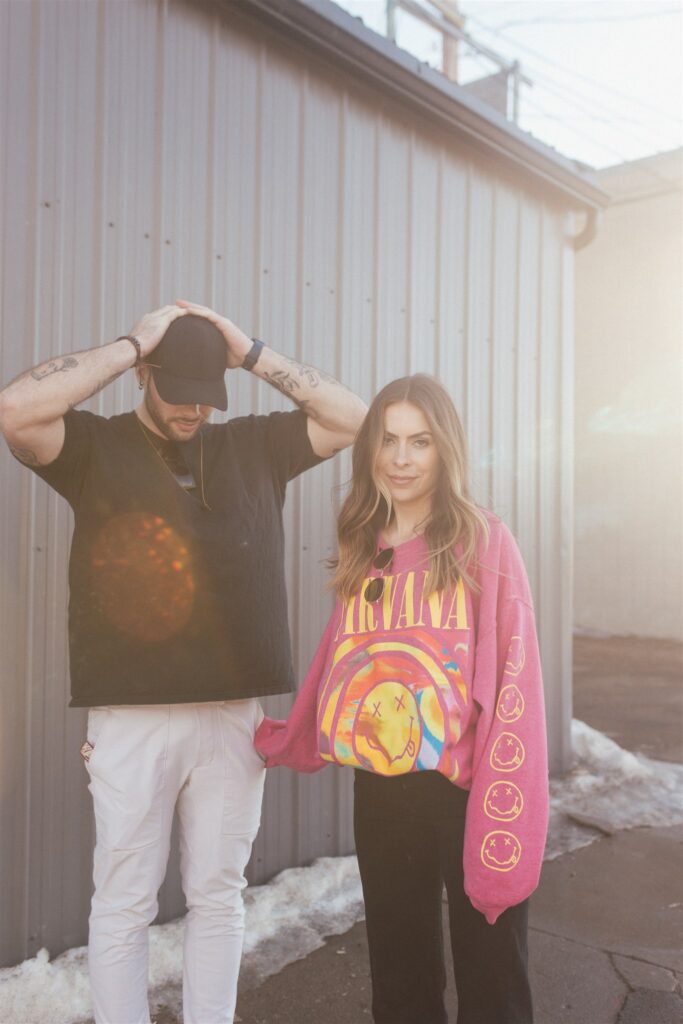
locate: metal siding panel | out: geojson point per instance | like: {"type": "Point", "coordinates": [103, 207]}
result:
{"type": "Point", "coordinates": [454, 224]}
{"type": "Point", "coordinates": [56, 897]}
{"type": "Point", "coordinates": [127, 142]}
{"type": "Point", "coordinates": [236, 271]}
{"type": "Point", "coordinates": [279, 276]}
{"type": "Point", "coordinates": [423, 255]}
{"type": "Point", "coordinates": [479, 277]}
{"type": "Point", "coordinates": [560, 729]}
{"type": "Point", "coordinates": [526, 461]}
{"type": "Point", "coordinates": [187, 217]}
{"type": "Point", "coordinates": [503, 352]}
{"type": "Point", "coordinates": [359, 255]}
{"type": "Point", "coordinates": [126, 271]}
{"type": "Point", "coordinates": [317, 329]}
{"type": "Point", "coordinates": [14, 846]}
{"type": "Point", "coordinates": [17, 121]}
{"type": "Point", "coordinates": [393, 240]}
{"type": "Point", "coordinates": [280, 201]}
{"type": "Point", "coordinates": [357, 311]}
{"type": "Point", "coordinates": [551, 601]}
{"type": "Point", "coordinates": [80, 324]}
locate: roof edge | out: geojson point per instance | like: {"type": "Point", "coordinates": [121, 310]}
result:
{"type": "Point", "coordinates": [340, 38]}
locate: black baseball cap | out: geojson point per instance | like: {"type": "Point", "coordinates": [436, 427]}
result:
{"type": "Point", "coordinates": [189, 363]}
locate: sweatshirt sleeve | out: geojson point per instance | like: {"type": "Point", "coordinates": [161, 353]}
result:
{"type": "Point", "coordinates": [507, 810]}
{"type": "Point", "coordinates": [294, 743]}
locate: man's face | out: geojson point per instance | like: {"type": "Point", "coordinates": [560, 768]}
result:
{"type": "Point", "coordinates": [175, 422]}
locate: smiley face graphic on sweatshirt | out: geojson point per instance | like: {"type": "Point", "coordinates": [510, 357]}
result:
{"type": "Point", "coordinates": [387, 730]}
{"type": "Point", "coordinates": [516, 657]}
{"type": "Point", "coordinates": [501, 851]}
{"type": "Point", "coordinates": [392, 707]}
{"type": "Point", "coordinates": [503, 801]}
{"type": "Point", "coordinates": [508, 753]}
{"type": "Point", "coordinates": [510, 705]}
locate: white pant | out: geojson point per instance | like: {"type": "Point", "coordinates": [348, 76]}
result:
{"type": "Point", "coordinates": [144, 762]}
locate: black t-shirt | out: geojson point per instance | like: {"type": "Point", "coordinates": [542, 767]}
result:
{"type": "Point", "coordinates": [178, 596]}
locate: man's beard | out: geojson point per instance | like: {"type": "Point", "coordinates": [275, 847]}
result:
{"type": "Point", "coordinates": [155, 417]}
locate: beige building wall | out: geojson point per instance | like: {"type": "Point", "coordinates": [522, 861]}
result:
{"type": "Point", "coordinates": [629, 437]}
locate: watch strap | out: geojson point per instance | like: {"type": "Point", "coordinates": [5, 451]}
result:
{"type": "Point", "coordinates": [252, 355]}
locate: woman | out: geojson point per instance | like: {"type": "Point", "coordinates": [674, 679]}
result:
{"type": "Point", "coordinates": [427, 682]}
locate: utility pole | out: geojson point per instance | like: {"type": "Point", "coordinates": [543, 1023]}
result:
{"type": "Point", "coordinates": [451, 13]}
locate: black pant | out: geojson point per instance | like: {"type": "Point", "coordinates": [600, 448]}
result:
{"type": "Point", "coordinates": [409, 838]}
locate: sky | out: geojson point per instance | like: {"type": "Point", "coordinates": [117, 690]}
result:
{"type": "Point", "coordinates": [607, 84]}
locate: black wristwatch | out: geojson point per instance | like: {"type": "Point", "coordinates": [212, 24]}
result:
{"type": "Point", "coordinates": [252, 355]}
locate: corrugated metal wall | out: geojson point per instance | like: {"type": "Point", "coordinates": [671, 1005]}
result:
{"type": "Point", "coordinates": [154, 150]}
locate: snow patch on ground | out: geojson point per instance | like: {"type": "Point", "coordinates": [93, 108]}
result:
{"type": "Point", "coordinates": [285, 920]}
{"type": "Point", "coordinates": [607, 790]}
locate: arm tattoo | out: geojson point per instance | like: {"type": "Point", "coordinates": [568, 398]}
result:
{"type": "Point", "coordinates": [283, 381]}
{"type": "Point", "coordinates": [287, 385]}
{"type": "Point", "coordinates": [25, 455]}
{"type": "Point", "coordinates": [55, 366]}
{"type": "Point", "coordinates": [312, 376]}
{"type": "Point", "coordinates": [308, 376]}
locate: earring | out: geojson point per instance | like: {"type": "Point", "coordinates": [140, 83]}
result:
{"type": "Point", "coordinates": [141, 385]}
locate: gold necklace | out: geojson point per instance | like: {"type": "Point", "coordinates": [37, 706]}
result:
{"type": "Point", "coordinates": [145, 434]}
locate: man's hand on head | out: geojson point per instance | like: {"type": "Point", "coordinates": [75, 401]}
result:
{"type": "Point", "coordinates": [237, 343]}
{"type": "Point", "coordinates": [150, 329]}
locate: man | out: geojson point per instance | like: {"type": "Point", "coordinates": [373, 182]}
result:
{"type": "Point", "coordinates": [177, 620]}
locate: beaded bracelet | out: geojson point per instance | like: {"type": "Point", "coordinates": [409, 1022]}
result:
{"type": "Point", "coordinates": [136, 345]}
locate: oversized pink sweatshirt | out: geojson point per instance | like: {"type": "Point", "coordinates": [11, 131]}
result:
{"type": "Point", "coordinates": [451, 682]}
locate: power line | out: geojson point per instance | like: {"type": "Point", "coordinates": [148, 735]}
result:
{"type": "Point", "coordinates": [649, 171]}
{"type": "Point", "coordinates": [566, 124]}
{"type": "Point", "coordinates": [580, 103]}
{"type": "Point", "coordinates": [566, 94]}
{"type": "Point", "coordinates": [555, 64]}
{"type": "Point", "coordinates": [593, 19]}
{"type": "Point", "coordinates": [562, 121]}
{"type": "Point", "coordinates": [577, 131]}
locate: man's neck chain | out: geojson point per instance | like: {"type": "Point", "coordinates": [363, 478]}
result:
{"type": "Point", "coordinates": [180, 473]}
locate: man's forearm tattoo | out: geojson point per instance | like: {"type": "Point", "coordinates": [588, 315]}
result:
{"type": "Point", "coordinates": [25, 455]}
{"type": "Point", "coordinates": [54, 366]}
{"type": "Point", "coordinates": [284, 382]}
{"type": "Point", "coordinates": [301, 375]}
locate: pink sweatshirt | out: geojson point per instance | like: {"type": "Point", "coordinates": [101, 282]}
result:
{"type": "Point", "coordinates": [451, 683]}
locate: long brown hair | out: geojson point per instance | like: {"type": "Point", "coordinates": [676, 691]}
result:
{"type": "Point", "coordinates": [455, 518]}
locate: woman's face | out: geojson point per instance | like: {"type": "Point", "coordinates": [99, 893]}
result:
{"type": "Point", "coordinates": [408, 461]}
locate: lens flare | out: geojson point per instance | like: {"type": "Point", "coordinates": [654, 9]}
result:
{"type": "Point", "coordinates": [142, 577]}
